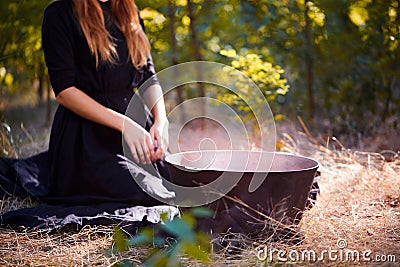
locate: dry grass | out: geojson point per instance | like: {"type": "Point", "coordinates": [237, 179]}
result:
{"type": "Point", "coordinates": [87, 246]}
{"type": "Point", "coordinates": [359, 202]}
{"type": "Point", "coordinates": [34, 248]}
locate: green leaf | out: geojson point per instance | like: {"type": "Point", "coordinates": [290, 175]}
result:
{"type": "Point", "coordinates": [138, 239]}
{"type": "Point", "coordinates": [228, 53]}
{"type": "Point", "coordinates": [146, 236]}
{"type": "Point", "coordinates": [201, 212]}
{"type": "Point", "coordinates": [279, 117]}
{"type": "Point", "coordinates": [179, 228]}
{"type": "Point", "coordinates": [164, 217]}
{"type": "Point", "coordinates": [189, 219]}
{"type": "Point", "coordinates": [203, 240]}
{"type": "Point", "coordinates": [159, 258]}
{"type": "Point", "coordinates": [194, 251]}
{"type": "Point", "coordinates": [120, 240]}
{"type": "Point", "coordinates": [9, 79]}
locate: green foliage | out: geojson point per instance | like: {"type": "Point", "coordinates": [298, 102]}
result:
{"type": "Point", "coordinates": [187, 240]}
{"type": "Point", "coordinates": [266, 76]}
{"type": "Point", "coordinates": [20, 44]}
{"type": "Point", "coordinates": [358, 76]}
{"type": "Point", "coordinates": [119, 238]}
{"type": "Point", "coordinates": [345, 52]}
{"type": "Point", "coordinates": [351, 50]}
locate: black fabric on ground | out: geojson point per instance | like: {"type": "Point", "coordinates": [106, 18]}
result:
{"type": "Point", "coordinates": [23, 178]}
{"type": "Point", "coordinates": [49, 218]}
{"type": "Point", "coordinates": [29, 177]}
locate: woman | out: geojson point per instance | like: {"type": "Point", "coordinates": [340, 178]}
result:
{"type": "Point", "coordinates": [97, 53]}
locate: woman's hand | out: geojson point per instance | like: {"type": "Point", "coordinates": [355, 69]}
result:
{"type": "Point", "coordinates": [153, 98]}
{"type": "Point", "coordinates": [139, 141]}
{"type": "Point", "coordinates": [159, 135]}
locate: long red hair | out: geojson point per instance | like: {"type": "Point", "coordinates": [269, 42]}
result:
{"type": "Point", "coordinates": [125, 16]}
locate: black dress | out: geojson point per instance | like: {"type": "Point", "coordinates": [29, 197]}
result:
{"type": "Point", "coordinates": [83, 167]}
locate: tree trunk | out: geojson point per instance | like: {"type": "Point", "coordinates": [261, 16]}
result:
{"type": "Point", "coordinates": [197, 53]}
{"type": "Point", "coordinates": [171, 17]}
{"type": "Point", "coordinates": [309, 62]}
{"type": "Point", "coordinates": [386, 108]}
{"type": "Point", "coordinates": [195, 43]}
{"type": "Point", "coordinates": [174, 60]}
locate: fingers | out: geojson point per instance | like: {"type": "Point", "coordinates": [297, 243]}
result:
{"type": "Point", "coordinates": [159, 154]}
{"type": "Point", "coordinates": [155, 146]}
{"type": "Point", "coordinates": [159, 140]}
{"type": "Point", "coordinates": [159, 148]}
{"type": "Point", "coordinates": [141, 150]}
{"type": "Point", "coordinates": [148, 149]}
{"type": "Point", "coordinates": [152, 133]}
{"type": "Point", "coordinates": [134, 154]}
{"type": "Point", "coordinates": [139, 141]}
{"type": "Point", "coordinates": [141, 153]}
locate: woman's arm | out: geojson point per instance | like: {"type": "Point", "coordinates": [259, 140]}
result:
{"type": "Point", "coordinates": [153, 98]}
{"type": "Point", "coordinates": [138, 139]}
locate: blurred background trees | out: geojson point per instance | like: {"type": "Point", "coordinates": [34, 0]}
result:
{"type": "Point", "coordinates": [340, 57]}
{"type": "Point", "coordinates": [23, 74]}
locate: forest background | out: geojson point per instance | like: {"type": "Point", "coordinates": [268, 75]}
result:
{"type": "Point", "coordinates": [329, 68]}
{"type": "Point", "coordinates": [333, 63]}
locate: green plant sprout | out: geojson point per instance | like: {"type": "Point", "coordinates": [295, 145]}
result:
{"type": "Point", "coordinates": [186, 240]}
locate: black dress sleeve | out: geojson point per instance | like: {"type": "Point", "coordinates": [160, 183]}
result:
{"type": "Point", "coordinates": [58, 45]}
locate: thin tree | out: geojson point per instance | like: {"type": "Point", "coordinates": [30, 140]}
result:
{"type": "Point", "coordinates": [174, 60]}
{"type": "Point", "coordinates": [309, 60]}
{"type": "Point", "coordinates": [197, 53]}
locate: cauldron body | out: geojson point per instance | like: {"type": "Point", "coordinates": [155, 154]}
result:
{"type": "Point", "coordinates": [281, 197]}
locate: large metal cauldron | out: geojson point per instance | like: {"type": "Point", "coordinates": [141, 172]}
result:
{"type": "Point", "coordinates": [279, 200]}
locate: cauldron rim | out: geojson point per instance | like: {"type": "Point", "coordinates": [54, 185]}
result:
{"type": "Point", "coordinates": [314, 164]}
